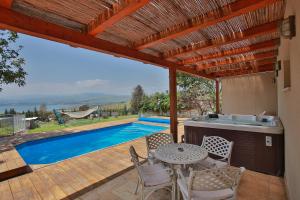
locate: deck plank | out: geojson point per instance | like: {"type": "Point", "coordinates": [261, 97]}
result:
{"type": "Point", "coordinates": [11, 164]}
{"type": "Point", "coordinates": [28, 187]}
{"type": "Point", "coordinates": [41, 187]}
{"type": "Point", "coordinates": [83, 171]}
{"type": "Point", "coordinates": [61, 179]}
{"type": "Point", "coordinates": [17, 190]}
{"type": "Point", "coordinates": [5, 190]}
{"type": "Point", "coordinates": [73, 173]}
{"type": "Point", "coordinates": [54, 188]}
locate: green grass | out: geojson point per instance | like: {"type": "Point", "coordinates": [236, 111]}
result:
{"type": "Point", "coordinates": [54, 126]}
{"type": "Point", "coordinates": [5, 131]}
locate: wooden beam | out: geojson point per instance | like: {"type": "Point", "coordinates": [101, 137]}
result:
{"type": "Point", "coordinates": [229, 11]}
{"type": "Point", "coordinates": [112, 16]}
{"type": "Point", "coordinates": [238, 72]}
{"type": "Point", "coordinates": [173, 103]}
{"type": "Point", "coordinates": [256, 31]}
{"type": "Point", "coordinates": [247, 66]}
{"type": "Point", "coordinates": [6, 3]}
{"type": "Point", "coordinates": [18, 22]}
{"type": "Point", "coordinates": [243, 73]}
{"type": "Point", "coordinates": [228, 61]}
{"type": "Point", "coordinates": [259, 46]}
{"type": "Point", "coordinates": [217, 97]}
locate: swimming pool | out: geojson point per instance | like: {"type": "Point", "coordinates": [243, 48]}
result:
{"type": "Point", "coordinates": [54, 149]}
{"type": "Point", "coordinates": [155, 120]}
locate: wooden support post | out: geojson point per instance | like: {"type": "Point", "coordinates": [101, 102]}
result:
{"type": "Point", "coordinates": [173, 103]}
{"type": "Point", "coordinates": [217, 97]}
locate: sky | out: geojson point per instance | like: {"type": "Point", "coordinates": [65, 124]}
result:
{"type": "Point", "coordinates": [59, 69]}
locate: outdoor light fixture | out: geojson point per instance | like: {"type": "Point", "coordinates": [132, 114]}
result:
{"type": "Point", "coordinates": [277, 67]}
{"type": "Point", "coordinates": [288, 27]}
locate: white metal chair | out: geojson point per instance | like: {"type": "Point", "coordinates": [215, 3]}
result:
{"type": "Point", "coordinates": [209, 184]}
{"type": "Point", "coordinates": [154, 141]}
{"type": "Point", "coordinates": [216, 146]}
{"type": "Point", "coordinates": [152, 177]}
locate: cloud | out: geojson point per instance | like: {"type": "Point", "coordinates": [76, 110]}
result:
{"type": "Point", "coordinates": [96, 83]}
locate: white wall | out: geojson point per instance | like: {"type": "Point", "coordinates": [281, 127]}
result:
{"type": "Point", "coordinates": [249, 94]}
{"type": "Point", "coordinates": [289, 104]}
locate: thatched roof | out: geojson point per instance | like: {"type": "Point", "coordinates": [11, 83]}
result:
{"type": "Point", "coordinates": [206, 37]}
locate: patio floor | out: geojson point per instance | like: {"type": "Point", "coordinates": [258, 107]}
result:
{"type": "Point", "coordinates": [107, 174]}
{"type": "Point", "coordinates": [254, 186]}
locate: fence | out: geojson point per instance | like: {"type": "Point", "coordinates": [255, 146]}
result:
{"type": "Point", "coordinates": [11, 124]}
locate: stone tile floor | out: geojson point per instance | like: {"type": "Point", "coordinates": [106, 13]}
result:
{"type": "Point", "coordinates": [253, 186]}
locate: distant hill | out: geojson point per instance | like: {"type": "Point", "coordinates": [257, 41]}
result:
{"type": "Point", "coordinates": [21, 103]}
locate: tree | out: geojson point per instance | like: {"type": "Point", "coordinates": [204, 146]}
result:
{"type": "Point", "coordinates": [11, 64]}
{"type": "Point", "coordinates": [42, 114]}
{"type": "Point", "coordinates": [196, 93]}
{"type": "Point", "coordinates": [158, 102]}
{"type": "Point", "coordinates": [124, 110]}
{"type": "Point", "coordinates": [28, 114]}
{"type": "Point", "coordinates": [43, 108]}
{"type": "Point", "coordinates": [12, 111]}
{"type": "Point", "coordinates": [35, 112]}
{"type": "Point", "coordinates": [137, 99]}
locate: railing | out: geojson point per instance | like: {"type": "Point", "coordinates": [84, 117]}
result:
{"type": "Point", "coordinates": [11, 124]}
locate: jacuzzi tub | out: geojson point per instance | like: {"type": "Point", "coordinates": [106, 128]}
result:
{"type": "Point", "coordinates": [258, 141]}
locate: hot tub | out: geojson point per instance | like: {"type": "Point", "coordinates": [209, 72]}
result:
{"type": "Point", "coordinates": [258, 141]}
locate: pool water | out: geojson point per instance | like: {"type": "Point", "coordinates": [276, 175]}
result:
{"type": "Point", "coordinates": [51, 150]}
{"type": "Point", "coordinates": [155, 120]}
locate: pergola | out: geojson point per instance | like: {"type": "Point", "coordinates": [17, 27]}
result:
{"type": "Point", "coordinates": [205, 38]}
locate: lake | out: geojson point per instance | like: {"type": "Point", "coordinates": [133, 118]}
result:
{"type": "Point", "coordinates": [25, 107]}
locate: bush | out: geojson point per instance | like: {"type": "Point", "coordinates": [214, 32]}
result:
{"type": "Point", "coordinates": [33, 124]}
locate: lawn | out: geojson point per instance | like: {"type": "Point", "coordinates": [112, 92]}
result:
{"type": "Point", "coordinates": [54, 126]}
{"type": "Point", "coordinates": [5, 131]}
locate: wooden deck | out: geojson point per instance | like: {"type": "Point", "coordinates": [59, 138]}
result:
{"type": "Point", "coordinates": [73, 177]}
{"type": "Point", "coordinates": [11, 165]}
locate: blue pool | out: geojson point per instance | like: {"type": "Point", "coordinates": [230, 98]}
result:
{"type": "Point", "coordinates": [50, 150]}
{"type": "Point", "coordinates": [155, 120]}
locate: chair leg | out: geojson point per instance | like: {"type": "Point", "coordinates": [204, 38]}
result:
{"type": "Point", "coordinates": [142, 193]}
{"type": "Point", "coordinates": [173, 191]}
{"type": "Point", "coordinates": [137, 186]}
{"type": "Point", "coordinates": [178, 192]}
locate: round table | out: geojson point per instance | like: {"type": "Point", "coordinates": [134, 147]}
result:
{"type": "Point", "coordinates": [180, 153]}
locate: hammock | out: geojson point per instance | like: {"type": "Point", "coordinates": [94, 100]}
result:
{"type": "Point", "coordinates": [81, 114]}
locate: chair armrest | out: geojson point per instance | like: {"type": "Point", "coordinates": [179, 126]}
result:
{"type": "Point", "coordinates": [142, 157]}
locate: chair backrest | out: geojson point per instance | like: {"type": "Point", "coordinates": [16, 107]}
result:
{"type": "Point", "coordinates": [218, 146]}
{"type": "Point", "coordinates": [215, 179]}
{"type": "Point", "coordinates": [136, 162]}
{"type": "Point", "coordinates": [155, 140]}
